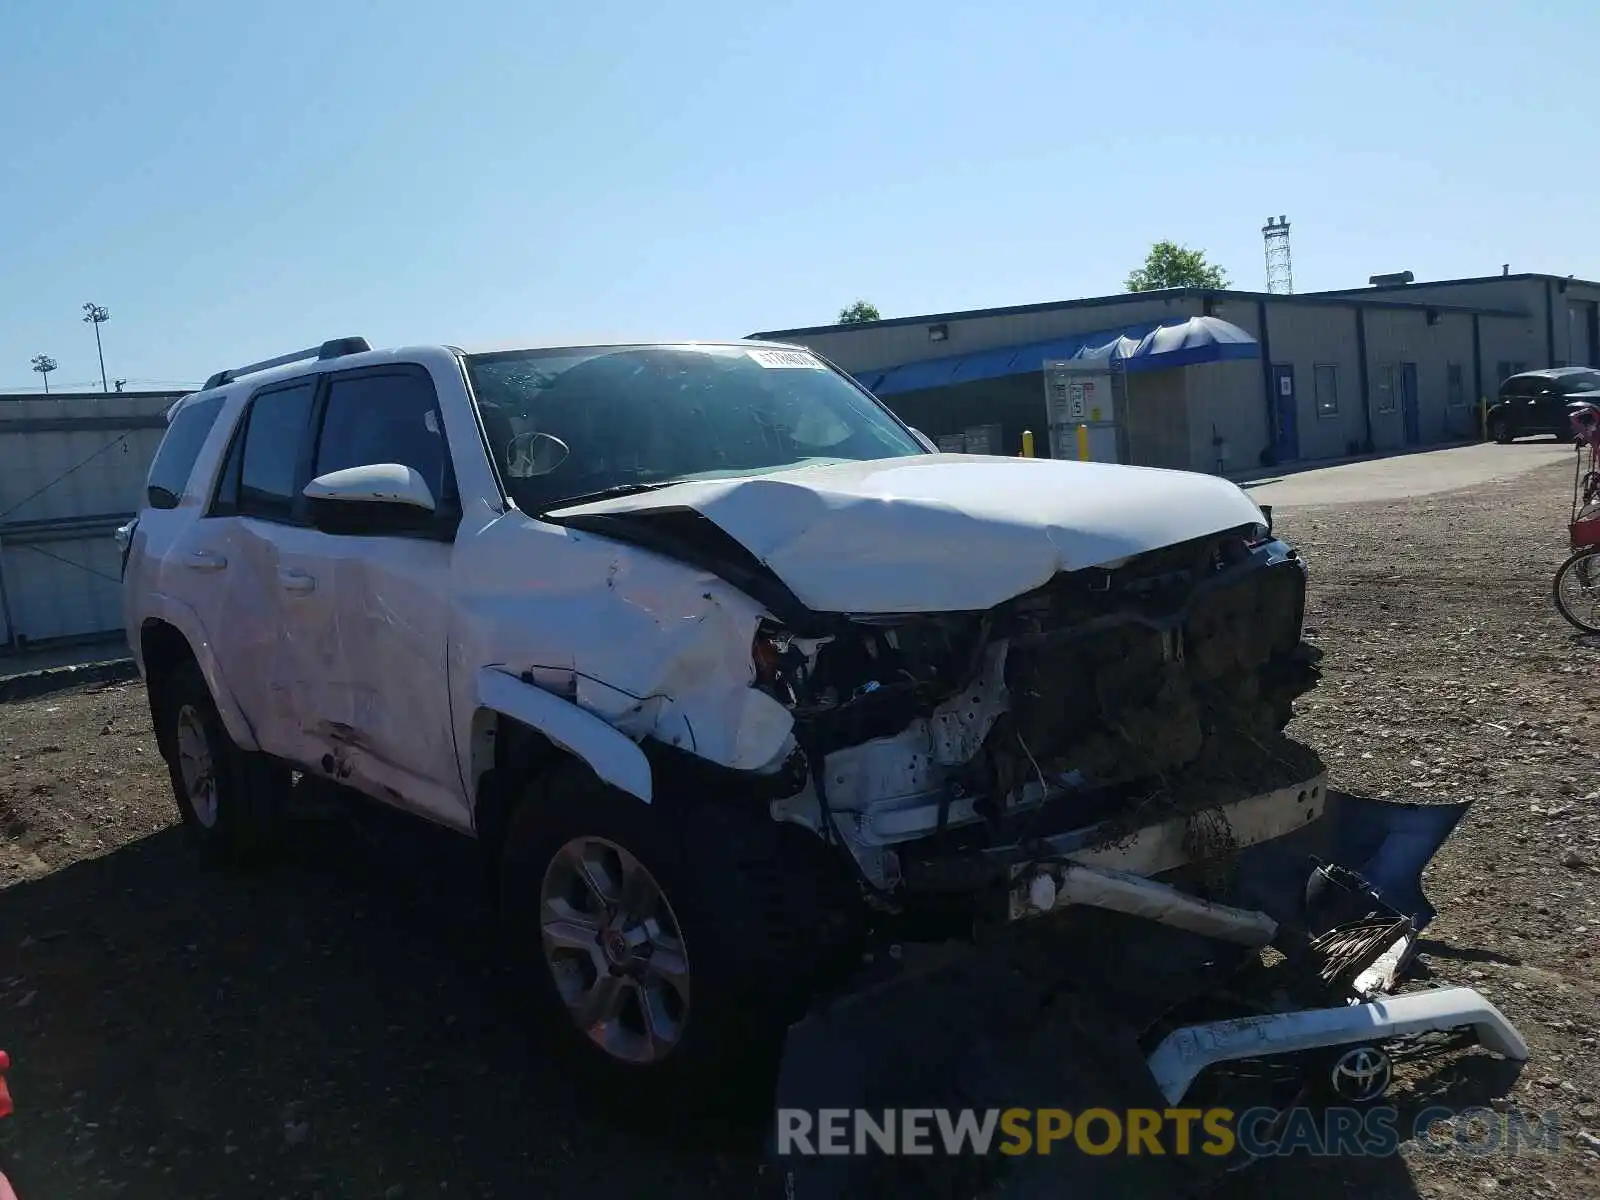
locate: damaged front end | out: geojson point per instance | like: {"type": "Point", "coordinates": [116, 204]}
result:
{"type": "Point", "coordinates": [1106, 751]}
{"type": "Point", "coordinates": [945, 752]}
{"type": "Point", "coordinates": [1092, 870]}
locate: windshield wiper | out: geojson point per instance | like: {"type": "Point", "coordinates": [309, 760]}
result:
{"type": "Point", "coordinates": [620, 489]}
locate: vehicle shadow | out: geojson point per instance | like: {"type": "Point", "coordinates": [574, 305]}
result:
{"type": "Point", "coordinates": [328, 1028]}
{"type": "Point", "coordinates": [338, 1026]}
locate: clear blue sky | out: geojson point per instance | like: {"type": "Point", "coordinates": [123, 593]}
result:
{"type": "Point", "coordinates": [234, 180]}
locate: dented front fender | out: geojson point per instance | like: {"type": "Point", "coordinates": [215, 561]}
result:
{"type": "Point", "coordinates": [608, 753]}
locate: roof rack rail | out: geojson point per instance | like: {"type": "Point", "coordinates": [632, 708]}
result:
{"type": "Point", "coordinates": [332, 348]}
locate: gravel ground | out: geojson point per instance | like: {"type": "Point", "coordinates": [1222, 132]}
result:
{"type": "Point", "coordinates": [330, 1029]}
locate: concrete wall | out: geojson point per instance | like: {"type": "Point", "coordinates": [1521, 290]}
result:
{"type": "Point", "coordinates": [72, 468]}
{"type": "Point", "coordinates": [857, 349]}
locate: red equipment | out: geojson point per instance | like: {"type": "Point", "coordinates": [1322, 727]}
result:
{"type": "Point", "coordinates": [1584, 528]}
{"type": "Point", "coordinates": [5, 1111]}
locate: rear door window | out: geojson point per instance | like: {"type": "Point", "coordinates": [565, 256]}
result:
{"type": "Point", "coordinates": [180, 448]}
{"type": "Point", "coordinates": [268, 460]}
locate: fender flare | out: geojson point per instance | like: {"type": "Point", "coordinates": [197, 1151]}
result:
{"type": "Point", "coordinates": [187, 622]}
{"type": "Point", "coordinates": [614, 757]}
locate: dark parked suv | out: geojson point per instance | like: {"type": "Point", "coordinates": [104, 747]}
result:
{"type": "Point", "coordinates": [1536, 401]}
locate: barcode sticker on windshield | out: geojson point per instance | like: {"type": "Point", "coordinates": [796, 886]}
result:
{"type": "Point", "coordinates": [787, 358]}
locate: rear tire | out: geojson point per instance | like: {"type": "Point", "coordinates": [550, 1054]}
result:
{"type": "Point", "coordinates": [685, 928]}
{"type": "Point", "coordinates": [231, 800]}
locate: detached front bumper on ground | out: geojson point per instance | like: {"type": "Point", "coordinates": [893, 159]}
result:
{"type": "Point", "coordinates": [1108, 988]}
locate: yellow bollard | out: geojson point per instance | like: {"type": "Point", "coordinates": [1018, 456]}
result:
{"type": "Point", "coordinates": [1483, 417]}
{"type": "Point", "coordinates": [1027, 443]}
{"type": "Point", "coordinates": [1083, 443]}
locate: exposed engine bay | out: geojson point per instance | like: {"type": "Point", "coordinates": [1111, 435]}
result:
{"type": "Point", "coordinates": [1165, 679]}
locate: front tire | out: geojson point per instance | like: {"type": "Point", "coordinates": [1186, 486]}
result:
{"type": "Point", "coordinates": [231, 800]}
{"type": "Point", "coordinates": [664, 947]}
{"type": "Point", "coordinates": [1500, 430]}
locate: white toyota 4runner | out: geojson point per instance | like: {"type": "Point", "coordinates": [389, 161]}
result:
{"type": "Point", "coordinates": [728, 672]}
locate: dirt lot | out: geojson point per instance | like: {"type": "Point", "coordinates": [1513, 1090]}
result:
{"type": "Point", "coordinates": [331, 1030]}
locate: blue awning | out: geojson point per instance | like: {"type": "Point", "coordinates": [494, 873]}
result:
{"type": "Point", "coordinates": [1148, 347]}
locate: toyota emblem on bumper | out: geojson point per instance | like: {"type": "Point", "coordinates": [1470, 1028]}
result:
{"type": "Point", "coordinates": [1361, 1074]}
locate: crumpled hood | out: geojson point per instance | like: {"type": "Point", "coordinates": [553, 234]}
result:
{"type": "Point", "coordinates": [946, 532]}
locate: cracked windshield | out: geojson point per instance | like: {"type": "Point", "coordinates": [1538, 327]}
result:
{"type": "Point", "coordinates": [566, 424]}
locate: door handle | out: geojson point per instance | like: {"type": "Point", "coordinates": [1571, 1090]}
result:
{"type": "Point", "coordinates": [292, 580]}
{"type": "Point", "coordinates": [204, 560]}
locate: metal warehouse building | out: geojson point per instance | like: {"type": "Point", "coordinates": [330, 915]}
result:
{"type": "Point", "coordinates": [1220, 380]}
{"type": "Point", "coordinates": [72, 469]}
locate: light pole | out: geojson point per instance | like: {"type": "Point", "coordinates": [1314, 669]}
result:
{"type": "Point", "coordinates": [44, 364]}
{"type": "Point", "coordinates": [94, 315]}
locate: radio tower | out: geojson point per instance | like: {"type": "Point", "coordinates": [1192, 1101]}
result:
{"type": "Point", "coordinates": [1280, 272]}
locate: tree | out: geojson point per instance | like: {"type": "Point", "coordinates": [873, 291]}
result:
{"type": "Point", "coordinates": [44, 364]}
{"type": "Point", "coordinates": [1169, 265]}
{"type": "Point", "coordinates": [858, 312]}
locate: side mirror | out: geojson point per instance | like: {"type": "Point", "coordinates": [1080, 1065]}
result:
{"type": "Point", "coordinates": [375, 499]}
{"type": "Point", "coordinates": [388, 484]}
{"type": "Point", "coordinates": [159, 497]}
{"type": "Point", "coordinates": [928, 443]}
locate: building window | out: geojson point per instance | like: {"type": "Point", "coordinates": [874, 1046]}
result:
{"type": "Point", "coordinates": [1456, 385]}
{"type": "Point", "coordinates": [1388, 387]}
{"type": "Point", "coordinates": [1325, 378]}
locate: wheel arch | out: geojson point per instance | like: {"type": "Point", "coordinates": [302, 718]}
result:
{"type": "Point", "coordinates": [166, 642]}
{"type": "Point", "coordinates": [520, 730]}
